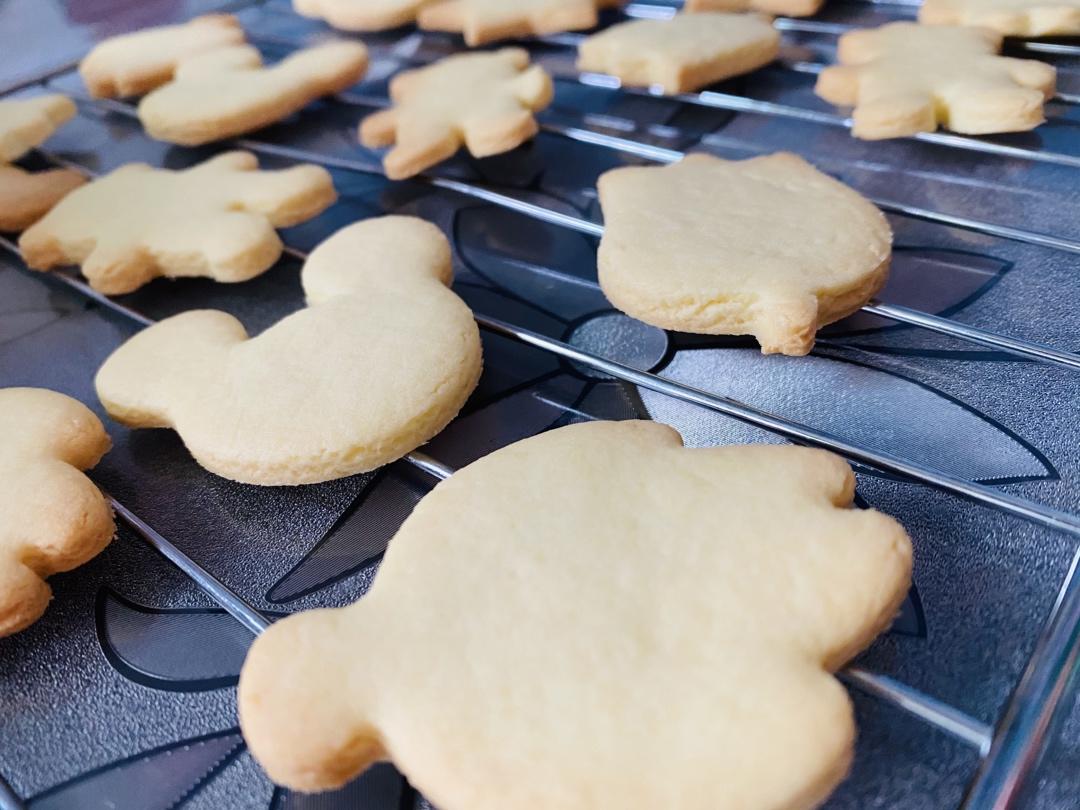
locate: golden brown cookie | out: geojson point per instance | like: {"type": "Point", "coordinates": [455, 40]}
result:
{"type": "Point", "coordinates": [788, 8]}
{"type": "Point", "coordinates": [361, 15]}
{"type": "Point", "coordinates": [26, 123]}
{"type": "Point", "coordinates": [1013, 18]}
{"type": "Point", "coordinates": [484, 21]}
{"type": "Point", "coordinates": [25, 197]}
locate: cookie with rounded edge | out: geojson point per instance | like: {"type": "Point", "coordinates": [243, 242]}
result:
{"type": "Point", "coordinates": [228, 91]}
{"type": "Point", "coordinates": [361, 15]}
{"type": "Point", "coordinates": [904, 78]}
{"type": "Point", "coordinates": [484, 101]}
{"type": "Point", "coordinates": [25, 197]}
{"type": "Point", "coordinates": [55, 519]}
{"type": "Point", "coordinates": [29, 122]}
{"type": "Point", "coordinates": [136, 63]}
{"type": "Point", "coordinates": [787, 8]}
{"type": "Point", "coordinates": [684, 53]}
{"type": "Point", "coordinates": [1013, 18]}
{"type": "Point", "coordinates": [381, 359]}
{"type": "Point", "coordinates": [769, 247]}
{"type": "Point", "coordinates": [602, 613]}
{"type": "Point", "coordinates": [215, 220]}
{"type": "Point", "coordinates": [484, 21]}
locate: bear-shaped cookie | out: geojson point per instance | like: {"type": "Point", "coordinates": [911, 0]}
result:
{"type": "Point", "coordinates": [484, 21]}
{"type": "Point", "coordinates": [136, 63]}
{"type": "Point", "coordinates": [1013, 18]}
{"type": "Point", "coordinates": [485, 101]}
{"type": "Point", "coordinates": [214, 220]}
{"type": "Point", "coordinates": [684, 53]}
{"type": "Point", "coordinates": [381, 359]}
{"type": "Point", "coordinates": [29, 122]}
{"type": "Point", "coordinates": [54, 518]}
{"type": "Point", "coordinates": [595, 617]}
{"type": "Point", "coordinates": [789, 8]}
{"type": "Point", "coordinates": [769, 247]}
{"type": "Point", "coordinates": [904, 78]}
{"type": "Point", "coordinates": [227, 91]}
{"type": "Point", "coordinates": [361, 15]}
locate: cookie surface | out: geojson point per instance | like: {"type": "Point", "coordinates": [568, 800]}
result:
{"type": "Point", "coordinates": [54, 518]}
{"type": "Point", "coordinates": [685, 53]}
{"type": "Point", "coordinates": [228, 91]}
{"type": "Point", "coordinates": [768, 247]}
{"type": "Point", "coordinates": [601, 613]}
{"type": "Point", "coordinates": [136, 63]}
{"type": "Point", "coordinates": [361, 15]}
{"type": "Point", "coordinates": [789, 8]}
{"type": "Point", "coordinates": [26, 123]}
{"type": "Point", "coordinates": [484, 21]}
{"type": "Point", "coordinates": [484, 101]}
{"type": "Point", "coordinates": [1013, 18]}
{"type": "Point", "coordinates": [214, 220]}
{"type": "Point", "coordinates": [904, 78]}
{"type": "Point", "coordinates": [382, 358]}
{"type": "Point", "coordinates": [25, 197]}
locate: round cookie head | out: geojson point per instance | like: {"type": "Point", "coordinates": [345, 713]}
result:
{"type": "Point", "coordinates": [381, 359]}
{"type": "Point", "coordinates": [595, 612]}
{"type": "Point", "coordinates": [768, 247]}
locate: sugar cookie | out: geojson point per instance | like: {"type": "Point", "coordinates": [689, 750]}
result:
{"type": "Point", "coordinates": [134, 64]}
{"type": "Point", "coordinates": [214, 220]}
{"type": "Point", "coordinates": [485, 101]}
{"type": "Point", "coordinates": [54, 518]}
{"type": "Point", "coordinates": [606, 619]}
{"type": "Point", "coordinates": [382, 358]}
{"type": "Point", "coordinates": [788, 8]}
{"type": "Point", "coordinates": [1013, 18]}
{"type": "Point", "coordinates": [768, 247]}
{"type": "Point", "coordinates": [361, 15]}
{"type": "Point", "coordinates": [685, 53]}
{"type": "Point", "coordinates": [25, 197]}
{"type": "Point", "coordinates": [484, 21]}
{"type": "Point", "coordinates": [904, 78]}
{"type": "Point", "coordinates": [26, 123]}
{"type": "Point", "coordinates": [227, 92]}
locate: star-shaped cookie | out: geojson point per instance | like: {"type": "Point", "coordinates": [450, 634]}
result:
{"type": "Point", "coordinates": [214, 220]}
{"type": "Point", "coordinates": [484, 101]}
{"type": "Point", "coordinates": [54, 518]}
{"type": "Point", "coordinates": [484, 21]}
{"type": "Point", "coordinates": [904, 78]}
{"type": "Point", "coordinates": [605, 619]}
{"type": "Point", "coordinates": [685, 53]}
{"type": "Point", "coordinates": [1013, 18]}
{"type": "Point", "coordinates": [26, 123]}
{"type": "Point", "coordinates": [361, 15]}
{"type": "Point", "coordinates": [788, 8]}
{"type": "Point", "coordinates": [768, 247]}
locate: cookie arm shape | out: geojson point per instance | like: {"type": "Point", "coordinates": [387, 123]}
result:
{"type": "Point", "coordinates": [25, 197]}
{"type": "Point", "coordinates": [26, 123]}
{"type": "Point", "coordinates": [361, 15]}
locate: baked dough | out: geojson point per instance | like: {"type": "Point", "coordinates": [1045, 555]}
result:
{"type": "Point", "coordinates": [26, 123]}
{"type": "Point", "coordinates": [25, 197]}
{"type": "Point", "coordinates": [382, 358]}
{"type": "Point", "coordinates": [361, 15]}
{"type": "Point", "coordinates": [595, 617]}
{"type": "Point", "coordinates": [768, 247]}
{"type": "Point", "coordinates": [484, 21]}
{"type": "Point", "coordinates": [1013, 18]}
{"type": "Point", "coordinates": [789, 8]}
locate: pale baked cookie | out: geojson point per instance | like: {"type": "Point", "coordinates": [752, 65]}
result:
{"type": "Point", "coordinates": [1013, 18]}
{"type": "Point", "coordinates": [361, 15]}
{"type": "Point", "coordinates": [605, 619]}
{"type": "Point", "coordinates": [25, 197]}
{"type": "Point", "coordinates": [26, 123]}
{"type": "Point", "coordinates": [134, 64]}
{"type": "Point", "coordinates": [904, 78]}
{"type": "Point", "coordinates": [788, 8]}
{"type": "Point", "coordinates": [685, 53]}
{"type": "Point", "coordinates": [382, 358]}
{"type": "Point", "coordinates": [485, 101]}
{"type": "Point", "coordinates": [768, 247]}
{"type": "Point", "coordinates": [484, 21]}
{"type": "Point", "coordinates": [228, 92]}
{"type": "Point", "coordinates": [214, 220]}
{"type": "Point", "coordinates": [54, 518]}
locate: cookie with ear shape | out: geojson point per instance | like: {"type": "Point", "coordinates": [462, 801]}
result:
{"type": "Point", "coordinates": [595, 617]}
{"type": "Point", "coordinates": [381, 359]}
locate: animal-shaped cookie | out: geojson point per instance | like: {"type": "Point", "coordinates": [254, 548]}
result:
{"type": "Point", "coordinates": [214, 220]}
{"type": "Point", "coordinates": [605, 619]}
{"type": "Point", "coordinates": [26, 123]}
{"type": "Point", "coordinates": [1013, 18]}
{"type": "Point", "coordinates": [25, 196]}
{"type": "Point", "coordinates": [485, 101]}
{"type": "Point", "coordinates": [684, 53]}
{"type": "Point", "coordinates": [768, 247]}
{"type": "Point", "coordinates": [904, 78]}
{"type": "Point", "coordinates": [382, 358]}
{"type": "Point", "coordinates": [484, 21]}
{"type": "Point", "coordinates": [54, 518]}
{"type": "Point", "coordinates": [134, 64]}
{"type": "Point", "coordinates": [789, 8]}
{"type": "Point", "coordinates": [361, 15]}
{"type": "Point", "coordinates": [228, 91]}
